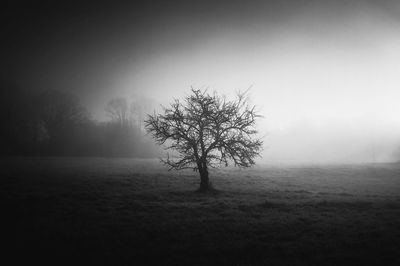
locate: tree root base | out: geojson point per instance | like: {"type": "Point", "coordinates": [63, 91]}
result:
{"type": "Point", "coordinates": [207, 190]}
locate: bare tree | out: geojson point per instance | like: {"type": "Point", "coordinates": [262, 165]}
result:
{"type": "Point", "coordinates": [117, 110]}
{"type": "Point", "coordinates": [207, 131]}
{"type": "Point", "coordinates": [139, 107]}
{"type": "Point", "coordinates": [60, 111]}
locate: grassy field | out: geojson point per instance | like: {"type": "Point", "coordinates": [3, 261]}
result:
{"type": "Point", "coordinates": [98, 211]}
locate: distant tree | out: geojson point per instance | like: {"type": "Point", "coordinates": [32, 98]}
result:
{"type": "Point", "coordinates": [60, 114]}
{"type": "Point", "coordinates": [118, 110]}
{"type": "Point", "coordinates": [207, 131]}
{"type": "Point", "coordinates": [124, 136]}
{"type": "Point", "coordinates": [139, 107]}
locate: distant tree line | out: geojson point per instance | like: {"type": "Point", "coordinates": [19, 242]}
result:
{"type": "Point", "coordinates": [54, 123]}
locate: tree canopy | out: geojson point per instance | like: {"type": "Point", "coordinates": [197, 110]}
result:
{"type": "Point", "coordinates": [207, 130]}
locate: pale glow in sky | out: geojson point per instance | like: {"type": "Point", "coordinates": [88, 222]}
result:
{"type": "Point", "coordinates": [324, 74]}
{"type": "Point", "coordinates": [311, 61]}
{"type": "Point", "coordinates": [292, 80]}
{"type": "Point", "coordinates": [338, 89]}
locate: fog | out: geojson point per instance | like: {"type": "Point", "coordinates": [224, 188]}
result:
{"type": "Point", "coordinates": [323, 74]}
{"type": "Point", "coordinates": [326, 86]}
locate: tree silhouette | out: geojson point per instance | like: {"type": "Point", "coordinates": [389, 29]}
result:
{"type": "Point", "coordinates": [60, 114]}
{"type": "Point", "coordinates": [207, 131]}
{"type": "Point", "coordinates": [117, 110]}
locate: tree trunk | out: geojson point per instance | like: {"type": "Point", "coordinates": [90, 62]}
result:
{"type": "Point", "coordinates": [204, 181]}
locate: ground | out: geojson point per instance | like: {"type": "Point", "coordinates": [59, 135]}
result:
{"type": "Point", "coordinates": [99, 211]}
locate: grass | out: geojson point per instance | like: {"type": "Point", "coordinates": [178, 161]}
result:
{"type": "Point", "coordinates": [100, 211]}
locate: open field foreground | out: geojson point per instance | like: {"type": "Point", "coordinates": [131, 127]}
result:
{"type": "Point", "coordinates": [96, 211]}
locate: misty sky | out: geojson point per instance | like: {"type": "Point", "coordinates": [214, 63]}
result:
{"type": "Point", "coordinates": [325, 74]}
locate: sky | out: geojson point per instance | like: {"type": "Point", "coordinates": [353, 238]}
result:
{"type": "Point", "coordinates": [324, 74]}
